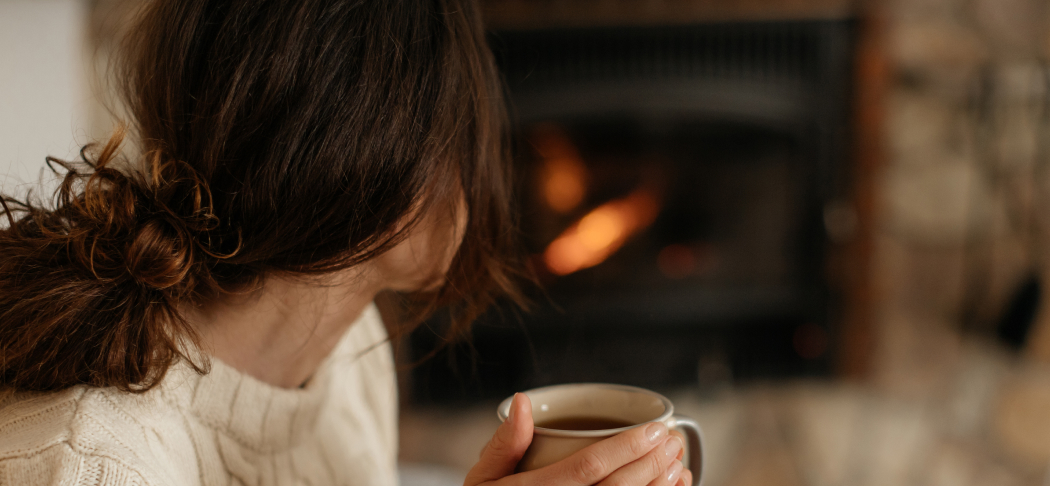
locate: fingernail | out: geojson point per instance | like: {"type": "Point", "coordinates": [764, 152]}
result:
{"type": "Point", "coordinates": [672, 446]}
{"type": "Point", "coordinates": [655, 431]}
{"type": "Point", "coordinates": [674, 471]}
{"type": "Point", "coordinates": [513, 405]}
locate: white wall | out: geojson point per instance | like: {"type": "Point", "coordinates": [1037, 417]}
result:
{"type": "Point", "coordinates": [45, 101]}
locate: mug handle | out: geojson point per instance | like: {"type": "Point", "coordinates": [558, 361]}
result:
{"type": "Point", "coordinates": [695, 445]}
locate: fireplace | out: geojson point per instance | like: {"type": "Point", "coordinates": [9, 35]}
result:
{"type": "Point", "coordinates": [680, 188]}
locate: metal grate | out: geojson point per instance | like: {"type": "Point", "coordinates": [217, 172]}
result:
{"type": "Point", "coordinates": [756, 52]}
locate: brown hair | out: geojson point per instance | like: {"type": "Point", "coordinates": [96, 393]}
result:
{"type": "Point", "coordinates": [278, 137]}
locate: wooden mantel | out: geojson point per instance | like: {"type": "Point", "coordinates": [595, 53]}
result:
{"type": "Point", "coordinates": [530, 14]}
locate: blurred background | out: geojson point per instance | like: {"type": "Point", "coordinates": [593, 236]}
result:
{"type": "Point", "coordinates": [818, 226]}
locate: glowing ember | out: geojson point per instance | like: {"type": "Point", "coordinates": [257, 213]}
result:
{"type": "Point", "coordinates": [601, 232]}
{"type": "Point", "coordinates": [563, 175]}
{"type": "Point", "coordinates": [676, 261]}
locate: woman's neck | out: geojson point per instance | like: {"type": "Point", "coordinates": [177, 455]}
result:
{"type": "Point", "coordinates": [282, 332]}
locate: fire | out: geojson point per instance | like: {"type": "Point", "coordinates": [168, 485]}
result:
{"type": "Point", "coordinates": [601, 232]}
{"type": "Point", "coordinates": [563, 176]}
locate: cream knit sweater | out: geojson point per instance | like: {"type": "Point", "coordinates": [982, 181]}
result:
{"type": "Point", "coordinates": [225, 428]}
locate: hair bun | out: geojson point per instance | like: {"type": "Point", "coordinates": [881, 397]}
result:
{"type": "Point", "coordinates": [159, 254]}
{"type": "Point", "coordinates": [91, 287]}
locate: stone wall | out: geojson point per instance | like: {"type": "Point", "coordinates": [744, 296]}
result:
{"type": "Point", "coordinates": [965, 209]}
{"type": "Point", "coordinates": [965, 114]}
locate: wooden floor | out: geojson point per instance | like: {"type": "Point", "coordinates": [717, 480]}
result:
{"type": "Point", "coordinates": [948, 423]}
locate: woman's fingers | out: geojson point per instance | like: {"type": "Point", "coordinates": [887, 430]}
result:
{"type": "Point", "coordinates": [681, 437]}
{"type": "Point", "coordinates": [686, 478]}
{"type": "Point", "coordinates": [670, 477]}
{"type": "Point", "coordinates": [658, 468]}
{"type": "Point", "coordinates": [596, 462]}
{"type": "Point", "coordinates": [512, 438]}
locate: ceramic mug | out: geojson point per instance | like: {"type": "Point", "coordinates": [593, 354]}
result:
{"type": "Point", "coordinates": [629, 405]}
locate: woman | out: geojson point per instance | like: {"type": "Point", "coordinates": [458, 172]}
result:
{"type": "Point", "coordinates": [202, 313]}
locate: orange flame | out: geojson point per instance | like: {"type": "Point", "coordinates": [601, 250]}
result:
{"type": "Point", "coordinates": [601, 232]}
{"type": "Point", "coordinates": [563, 176]}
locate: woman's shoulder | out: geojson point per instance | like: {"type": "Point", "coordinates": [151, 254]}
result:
{"type": "Point", "coordinates": [31, 422]}
{"type": "Point", "coordinates": [82, 434]}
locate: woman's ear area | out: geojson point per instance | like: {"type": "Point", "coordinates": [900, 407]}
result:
{"type": "Point", "coordinates": [420, 261]}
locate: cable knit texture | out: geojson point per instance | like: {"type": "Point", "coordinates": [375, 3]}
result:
{"type": "Point", "coordinates": [225, 428]}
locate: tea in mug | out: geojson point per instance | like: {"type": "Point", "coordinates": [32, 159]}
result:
{"type": "Point", "coordinates": [583, 423]}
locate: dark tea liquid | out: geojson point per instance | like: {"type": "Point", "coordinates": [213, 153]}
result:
{"type": "Point", "coordinates": [583, 423]}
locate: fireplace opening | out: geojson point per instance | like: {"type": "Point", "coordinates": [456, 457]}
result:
{"type": "Point", "coordinates": [616, 209]}
{"type": "Point", "coordinates": [674, 188]}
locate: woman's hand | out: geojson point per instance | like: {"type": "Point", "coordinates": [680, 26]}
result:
{"type": "Point", "coordinates": [642, 456]}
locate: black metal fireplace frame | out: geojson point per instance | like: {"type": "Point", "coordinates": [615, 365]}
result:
{"type": "Point", "coordinates": [792, 78]}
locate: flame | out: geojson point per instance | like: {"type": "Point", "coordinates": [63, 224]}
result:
{"type": "Point", "coordinates": [601, 232]}
{"type": "Point", "coordinates": [563, 176]}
